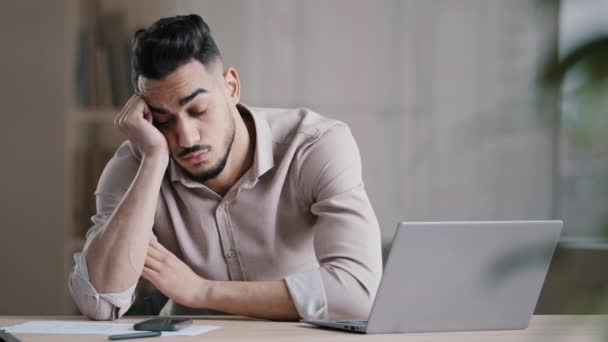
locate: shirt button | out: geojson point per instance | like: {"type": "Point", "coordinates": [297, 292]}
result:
{"type": "Point", "coordinates": [220, 209]}
{"type": "Point", "coordinates": [231, 253]}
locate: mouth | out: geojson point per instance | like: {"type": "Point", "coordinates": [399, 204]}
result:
{"type": "Point", "coordinates": [196, 157]}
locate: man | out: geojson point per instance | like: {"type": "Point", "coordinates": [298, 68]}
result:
{"type": "Point", "coordinates": [247, 211]}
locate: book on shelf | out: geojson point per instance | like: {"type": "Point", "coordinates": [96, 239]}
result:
{"type": "Point", "coordinates": [115, 40]}
{"type": "Point", "coordinates": [103, 63]}
{"type": "Point", "coordinates": [90, 162]}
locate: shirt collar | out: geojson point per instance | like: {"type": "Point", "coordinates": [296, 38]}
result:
{"type": "Point", "coordinates": [263, 155]}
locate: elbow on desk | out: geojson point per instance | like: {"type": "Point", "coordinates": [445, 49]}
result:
{"type": "Point", "coordinates": [353, 306]}
{"type": "Point", "coordinates": [349, 296]}
{"type": "Point", "coordinates": [89, 303]}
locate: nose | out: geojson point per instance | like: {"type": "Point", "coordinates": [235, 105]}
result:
{"type": "Point", "coordinates": [187, 133]}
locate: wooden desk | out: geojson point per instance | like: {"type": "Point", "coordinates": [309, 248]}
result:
{"type": "Point", "coordinates": [542, 328]}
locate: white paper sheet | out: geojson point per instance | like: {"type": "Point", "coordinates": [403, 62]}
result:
{"type": "Point", "coordinates": [94, 328]}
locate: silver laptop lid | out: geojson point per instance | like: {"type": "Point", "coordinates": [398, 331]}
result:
{"type": "Point", "coordinates": [457, 276]}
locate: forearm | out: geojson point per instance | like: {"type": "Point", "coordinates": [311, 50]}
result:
{"type": "Point", "coordinates": [268, 300]}
{"type": "Point", "coordinates": [116, 256]}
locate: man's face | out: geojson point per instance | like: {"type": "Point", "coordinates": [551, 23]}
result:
{"type": "Point", "coordinates": [191, 108]}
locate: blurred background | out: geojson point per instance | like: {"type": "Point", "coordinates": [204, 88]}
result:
{"type": "Point", "coordinates": [463, 110]}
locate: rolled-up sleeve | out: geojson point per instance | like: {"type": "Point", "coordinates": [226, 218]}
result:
{"type": "Point", "coordinates": [113, 184]}
{"type": "Point", "coordinates": [98, 306]}
{"type": "Point", "coordinates": [308, 294]}
{"type": "Point", "coordinates": [346, 232]}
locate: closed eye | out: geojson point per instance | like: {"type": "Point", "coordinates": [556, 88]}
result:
{"type": "Point", "coordinates": [163, 124]}
{"type": "Point", "coordinates": [196, 114]}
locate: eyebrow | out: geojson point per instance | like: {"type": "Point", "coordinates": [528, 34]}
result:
{"type": "Point", "coordinates": [182, 101]}
{"type": "Point", "coordinates": [189, 98]}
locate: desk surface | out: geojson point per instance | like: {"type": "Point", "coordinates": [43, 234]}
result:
{"type": "Point", "coordinates": [542, 328]}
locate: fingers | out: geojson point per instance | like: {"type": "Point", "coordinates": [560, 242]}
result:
{"type": "Point", "coordinates": [157, 245]}
{"type": "Point", "coordinates": [154, 278]}
{"type": "Point", "coordinates": [135, 121]}
{"type": "Point", "coordinates": [126, 108]}
{"type": "Point", "coordinates": [152, 263]}
{"type": "Point", "coordinates": [133, 112]}
{"type": "Point", "coordinates": [159, 252]}
{"type": "Point", "coordinates": [150, 275]}
{"type": "Point", "coordinates": [134, 109]}
{"type": "Point", "coordinates": [156, 254]}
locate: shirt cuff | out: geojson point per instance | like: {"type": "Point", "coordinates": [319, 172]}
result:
{"type": "Point", "coordinates": [121, 300]}
{"type": "Point", "coordinates": [308, 293]}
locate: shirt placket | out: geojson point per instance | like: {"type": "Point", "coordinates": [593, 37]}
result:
{"type": "Point", "coordinates": [229, 248]}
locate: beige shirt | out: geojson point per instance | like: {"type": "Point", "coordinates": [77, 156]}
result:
{"type": "Point", "coordinates": [300, 213]}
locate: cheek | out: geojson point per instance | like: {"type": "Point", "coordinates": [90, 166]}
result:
{"type": "Point", "coordinates": [210, 129]}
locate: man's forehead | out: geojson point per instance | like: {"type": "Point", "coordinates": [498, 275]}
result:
{"type": "Point", "coordinates": [165, 87]}
{"type": "Point", "coordinates": [184, 78]}
{"type": "Point", "coordinates": [172, 94]}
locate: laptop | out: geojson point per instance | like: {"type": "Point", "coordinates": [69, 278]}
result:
{"type": "Point", "coordinates": [459, 276]}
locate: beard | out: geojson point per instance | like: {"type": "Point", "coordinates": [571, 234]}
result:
{"type": "Point", "coordinates": [219, 166]}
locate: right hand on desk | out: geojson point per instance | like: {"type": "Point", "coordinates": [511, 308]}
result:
{"type": "Point", "coordinates": [135, 121]}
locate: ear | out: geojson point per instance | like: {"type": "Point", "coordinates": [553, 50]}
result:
{"type": "Point", "coordinates": [232, 85]}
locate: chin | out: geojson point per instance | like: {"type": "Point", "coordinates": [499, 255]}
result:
{"type": "Point", "coordinates": [195, 170]}
{"type": "Point", "coordinates": [201, 167]}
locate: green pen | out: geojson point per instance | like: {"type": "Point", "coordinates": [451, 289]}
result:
{"type": "Point", "coordinates": [134, 335]}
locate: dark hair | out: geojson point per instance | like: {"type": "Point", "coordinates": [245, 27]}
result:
{"type": "Point", "coordinates": [168, 44]}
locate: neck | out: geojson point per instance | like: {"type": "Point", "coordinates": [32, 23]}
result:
{"type": "Point", "coordinates": [241, 156]}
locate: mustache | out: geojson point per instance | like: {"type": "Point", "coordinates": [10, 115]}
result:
{"type": "Point", "coordinates": [192, 149]}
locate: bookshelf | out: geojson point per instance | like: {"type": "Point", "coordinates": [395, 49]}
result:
{"type": "Point", "coordinates": [95, 141]}
{"type": "Point", "coordinates": [103, 34]}
{"type": "Point", "coordinates": [100, 69]}
{"type": "Point", "coordinates": [101, 86]}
